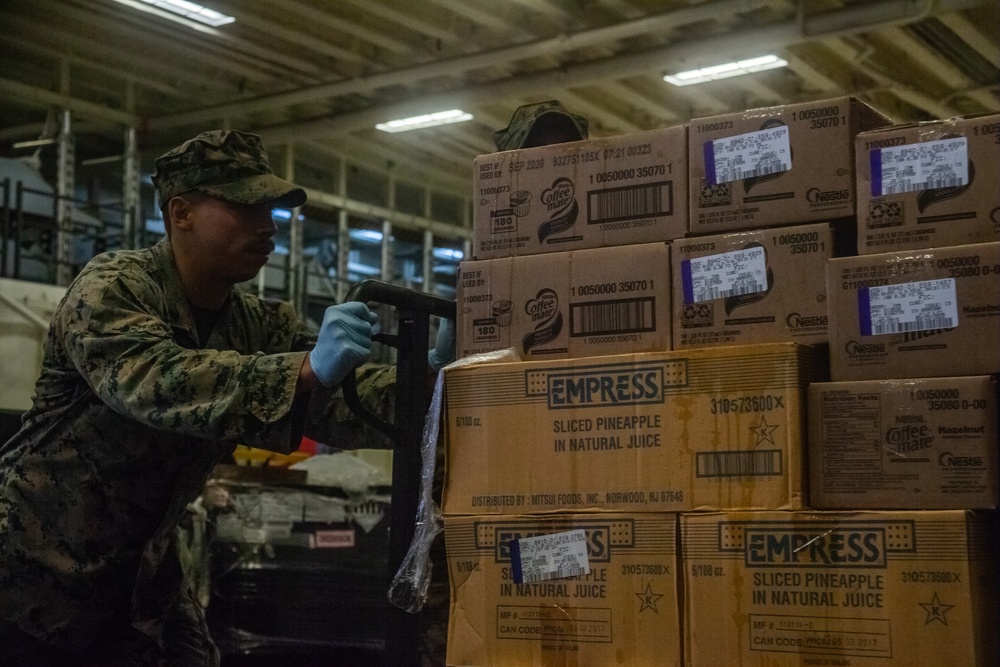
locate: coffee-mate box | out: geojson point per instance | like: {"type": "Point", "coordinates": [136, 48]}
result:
{"type": "Point", "coordinates": [926, 443]}
{"type": "Point", "coordinates": [617, 190]}
{"type": "Point", "coordinates": [864, 589]}
{"type": "Point", "coordinates": [759, 286]}
{"type": "Point", "coordinates": [567, 304]}
{"type": "Point", "coordinates": [771, 166]}
{"type": "Point", "coordinates": [707, 428]}
{"type": "Point", "coordinates": [915, 313]}
{"type": "Point", "coordinates": [588, 590]}
{"type": "Point", "coordinates": [927, 185]}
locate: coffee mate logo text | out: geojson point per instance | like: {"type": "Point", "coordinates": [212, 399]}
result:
{"type": "Point", "coordinates": [559, 196]}
{"type": "Point", "coordinates": [908, 438]}
{"type": "Point", "coordinates": [814, 546]}
{"type": "Point", "coordinates": [546, 317]}
{"type": "Point", "coordinates": [543, 306]}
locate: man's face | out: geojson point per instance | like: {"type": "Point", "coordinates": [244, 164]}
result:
{"type": "Point", "coordinates": [231, 241]}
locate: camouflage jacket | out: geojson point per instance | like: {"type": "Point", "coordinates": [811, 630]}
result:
{"type": "Point", "coordinates": [130, 415]}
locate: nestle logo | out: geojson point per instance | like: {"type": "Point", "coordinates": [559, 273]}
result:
{"type": "Point", "coordinates": [856, 349]}
{"type": "Point", "coordinates": [797, 321]}
{"type": "Point", "coordinates": [805, 547]}
{"type": "Point", "coordinates": [906, 439]}
{"type": "Point", "coordinates": [949, 460]}
{"type": "Point", "coordinates": [543, 306]}
{"type": "Point", "coordinates": [817, 196]}
{"type": "Point", "coordinates": [559, 195]}
{"type": "Point", "coordinates": [587, 389]}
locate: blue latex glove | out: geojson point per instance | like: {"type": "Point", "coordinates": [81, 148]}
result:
{"type": "Point", "coordinates": [443, 352]}
{"type": "Point", "coordinates": [345, 341]}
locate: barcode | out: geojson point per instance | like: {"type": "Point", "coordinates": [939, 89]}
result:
{"type": "Point", "coordinates": [598, 318]}
{"type": "Point", "coordinates": [892, 325]}
{"type": "Point", "coordinates": [736, 290]}
{"type": "Point", "coordinates": [531, 577]}
{"type": "Point", "coordinates": [630, 202]}
{"type": "Point", "coordinates": [739, 464]}
{"type": "Point", "coordinates": [930, 184]}
{"type": "Point", "coordinates": [727, 175]}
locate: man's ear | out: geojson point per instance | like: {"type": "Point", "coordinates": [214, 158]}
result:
{"type": "Point", "coordinates": [180, 209]}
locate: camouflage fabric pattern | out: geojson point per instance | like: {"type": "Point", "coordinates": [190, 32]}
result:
{"type": "Point", "coordinates": [524, 119]}
{"type": "Point", "coordinates": [228, 164]}
{"type": "Point", "coordinates": [131, 414]}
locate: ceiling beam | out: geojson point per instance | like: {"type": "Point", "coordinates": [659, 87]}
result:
{"type": "Point", "coordinates": [469, 10]}
{"type": "Point", "coordinates": [326, 19]}
{"type": "Point", "coordinates": [408, 21]}
{"type": "Point", "coordinates": [40, 97]}
{"type": "Point", "coordinates": [964, 28]}
{"type": "Point", "coordinates": [728, 46]}
{"type": "Point", "coordinates": [140, 28]}
{"type": "Point", "coordinates": [293, 37]}
{"type": "Point", "coordinates": [459, 65]}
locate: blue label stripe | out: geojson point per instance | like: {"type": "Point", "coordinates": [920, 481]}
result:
{"type": "Point", "coordinates": [709, 151]}
{"type": "Point", "coordinates": [865, 311]}
{"type": "Point", "coordinates": [686, 281]}
{"type": "Point", "coordinates": [515, 561]}
{"type": "Point", "coordinates": [875, 161]}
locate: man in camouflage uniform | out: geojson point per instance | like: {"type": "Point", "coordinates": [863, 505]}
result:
{"type": "Point", "coordinates": [540, 124]}
{"type": "Point", "coordinates": [154, 368]}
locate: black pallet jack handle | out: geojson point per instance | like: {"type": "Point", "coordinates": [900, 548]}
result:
{"type": "Point", "coordinates": [411, 341]}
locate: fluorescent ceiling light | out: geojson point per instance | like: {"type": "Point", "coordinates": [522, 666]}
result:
{"type": "Point", "coordinates": [427, 120]}
{"type": "Point", "coordinates": [725, 70]}
{"type": "Point", "coordinates": [448, 253]}
{"type": "Point", "coordinates": [181, 11]}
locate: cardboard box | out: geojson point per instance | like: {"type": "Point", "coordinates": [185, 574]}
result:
{"type": "Point", "coordinates": [780, 165]}
{"type": "Point", "coordinates": [759, 286]}
{"type": "Point", "coordinates": [929, 443]}
{"type": "Point", "coordinates": [864, 589]}
{"type": "Point", "coordinates": [617, 190]}
{"type": "Point", "coordinates": [942, 319]}
{"type": "Point", "coordinates": [708, 428]}
{"type": "Point", "coordinates": [928, 185]}
{"type": "Point", "coordinates": [567, 304]}
{"type": "Point", "coordinates": [624, 611]}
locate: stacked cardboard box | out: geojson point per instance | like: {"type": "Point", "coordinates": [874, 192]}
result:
{"type": "Point", "coordinates": [572, 260]}
{"type": "Point", "coordinates": [566, 473]}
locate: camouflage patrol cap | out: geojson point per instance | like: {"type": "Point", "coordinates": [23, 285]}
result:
{"type": "Point", "coordinates": [228, 164]}
{"type": "Point", "coordinates": [528, 117]}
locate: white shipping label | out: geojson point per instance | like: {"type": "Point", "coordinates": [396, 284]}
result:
{"type": "Point", "coordinates": [549, 556]}
{"type": "Point", "coordinates": [724, 275]}
{"type": "Point", "coordinates": [917, 306]}
{"type": "Point", "coordinates": [748, 155]}
{"type": "Point", "coordinates": [925, 166]}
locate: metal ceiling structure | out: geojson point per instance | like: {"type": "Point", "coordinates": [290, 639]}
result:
{"type": "Point", "coordinates": [317, 75]}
